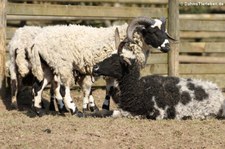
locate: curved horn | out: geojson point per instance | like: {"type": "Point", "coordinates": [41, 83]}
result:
{"type": "Point", "coordinates": [121, 45]}
{"type": "Point", "coordinates": [137, 22]}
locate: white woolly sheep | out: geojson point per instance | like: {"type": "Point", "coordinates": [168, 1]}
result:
{"type": "Point", "coordinates": [19, 67]}
{"type": "Point", "coordinates": [19, 63]}
{"type": "Point", "coordinates": [158, 97]}
{"type": "Point", "coordinates": [74, 47]}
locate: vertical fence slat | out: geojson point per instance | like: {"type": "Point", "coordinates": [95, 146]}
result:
{"type": "Point", "coordinates": [173, 29]}
{"type": "Point", "coordinates": [2, 45]}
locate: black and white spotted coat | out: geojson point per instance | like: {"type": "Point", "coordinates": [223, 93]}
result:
{"type": "Point", "coordinates": [159, 97]}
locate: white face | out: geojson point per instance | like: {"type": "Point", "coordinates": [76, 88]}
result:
{"type": "Point", "coordinates": [126, 53]}
{"type": "Point", "coordinates": [158, 23]}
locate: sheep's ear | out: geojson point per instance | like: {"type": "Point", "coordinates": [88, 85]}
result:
{"type": "Point", "coordinates": [117, 38]}
{"type": "Point", "coordinates": [126, 63]}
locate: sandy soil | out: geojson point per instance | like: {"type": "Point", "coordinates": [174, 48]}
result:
{"type": "Point", "coordinates": [19, 129]}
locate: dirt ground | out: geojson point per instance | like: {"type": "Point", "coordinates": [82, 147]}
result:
{"type": "Point", "coordinates": [19, 130]}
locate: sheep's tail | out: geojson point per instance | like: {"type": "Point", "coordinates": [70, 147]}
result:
{"type": "Point", "coordinates": [36, 67]}
{"type": "Point", "coordinates": [21, 62]}
{"type": "Point", "coordinates": [12, 66]}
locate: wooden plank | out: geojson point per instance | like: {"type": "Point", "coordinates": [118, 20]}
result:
{"type": "Point", "coordinates": [104, 1]}
{"type": "Point", "coordinates": [202, 59]}
{"type": "Point", "coordinates": [123, 1]}
{"type": "Point", "coordinates": [202, 69]}
{"type": "Point", "coordinates": [201, 34]}
{"type": "Point", "coordinates": [200, 47]}
{"type": "Point", "coordinates": [219, 79]}
{"type": "Point", "coordinates": [157, 58]}
{"type": "Point", "coordinates": [173, 29]}
{"type": "Point", "coordinates": [161, 69]}
{"type": "Point", "coordinates": [2, 47]}
{"type": "Point", "coordinates": [10, 33]}
{"type": "Point", "coordinates": [186, 69]}
{"type": "Point", "coordinates": [83, 11]}
{"type": "Point", "coordinates": [207, 17]}
{"type": "Point", "coordinates": [201, 1]}
{"type": "Point", "coordinates": [202, 25]}
{"type": "Point", "coordinates": [57, 18]}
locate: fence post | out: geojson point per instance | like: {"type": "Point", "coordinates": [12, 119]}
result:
{"type": "Point", "coordinates": [173, 30]}
{"type": "Point", "coordinates": [2, 46]}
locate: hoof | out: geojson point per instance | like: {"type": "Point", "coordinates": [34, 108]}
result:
{"type": "Point", "coordinates": [78, 113]}
{"type": "Point", "coordinates": [85, 110]}
{"type": "Point", "coordinates": [63, 110]}
{"type": "Point", "coordinates": [14, 106]}
{"type": "Point", "coordinates": [39, 111]}
{"type": "Point", "coordinates": [94, 109]}
{"type": "Point", "coordinates": [52, 107]}
{"type": "Point", "coordinates": [104, 107]}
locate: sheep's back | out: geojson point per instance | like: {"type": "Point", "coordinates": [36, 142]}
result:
{"type": "Point", "coordinates": [81, 45]}
{"type": "Point", "coordinates": [182, 98]}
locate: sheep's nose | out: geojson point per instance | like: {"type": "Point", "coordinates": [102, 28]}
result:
{"type": "Point", "coordinates": [95, 68]}
{"type": "Point", "coordinates": [166, 48]}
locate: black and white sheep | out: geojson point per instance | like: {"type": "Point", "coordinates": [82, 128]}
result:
{"type": "Point", "coordinates": [159, 97]}
{"type": "Point", "coordinates": [74, 47]}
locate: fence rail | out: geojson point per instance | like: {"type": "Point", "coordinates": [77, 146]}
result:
{"type": "Point", "coordinates": [102, 12]}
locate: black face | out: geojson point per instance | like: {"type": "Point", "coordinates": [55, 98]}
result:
{"type": "Point", "coordinates": [114, 66]}
{"type": "Point", "coordinates": [157, 38]}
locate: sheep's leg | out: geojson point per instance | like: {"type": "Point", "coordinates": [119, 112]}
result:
{"type": "Point", "coordinates": [52, 97]}
{"type": "Point", "coordinates": [58, 96]}
{"type": "Point", "coordinates": [37, 90]}
{"type": "Point", "coordinates": [65, 92]}
{"type": "Point", "coordinates": [86, 88]}
{"type": "Point", "coordinates": [85, 83]}
{"type": "Point", "coordinates": [109, 84]}
{"type": "Point", "coordinates": [92, 104]}
{"type": "Point", "coordinates": [106, 103]}
{"type": "Point", "coordinates": [15, 86]}
{"type": "Point", "coordinates": [14, 91]}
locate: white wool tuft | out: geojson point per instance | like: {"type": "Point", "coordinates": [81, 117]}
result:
{"type": "Point", "coordinates": [158, 23]}
{"type": "Point", "coordinates": [22, 40]}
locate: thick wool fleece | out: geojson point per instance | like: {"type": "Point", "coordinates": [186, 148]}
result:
{"type": "Point", "coordinates": [21, 42]}
{"type": "Point", "coordinates": [158, 97]}
{"type": "Point", "coordinates": [65, 48]}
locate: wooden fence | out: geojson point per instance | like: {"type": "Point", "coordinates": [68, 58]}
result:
{"type": "Point", "coordinates": [198, 53]}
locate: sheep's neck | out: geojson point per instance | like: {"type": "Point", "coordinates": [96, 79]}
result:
{"type": "Point", "coordinates": [129, 80]}
{"type": "Point", "coordinates": [130, 89]}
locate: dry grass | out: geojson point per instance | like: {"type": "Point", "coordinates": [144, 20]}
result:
{"type": "Point", "coordinates": [18, 130]}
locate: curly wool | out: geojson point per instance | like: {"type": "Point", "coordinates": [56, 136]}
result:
{"type": "Point", "coordinates": [21, 42]}
{"type": "Point", "coordinates": [65, 48]}
{"type": "Point", "coordinates": [160, 97]}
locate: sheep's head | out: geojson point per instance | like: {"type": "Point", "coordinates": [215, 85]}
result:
{"type": "Point", "coordinates": [153, 32]}
{"type": "Point", "coordinates": [114, 66]}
